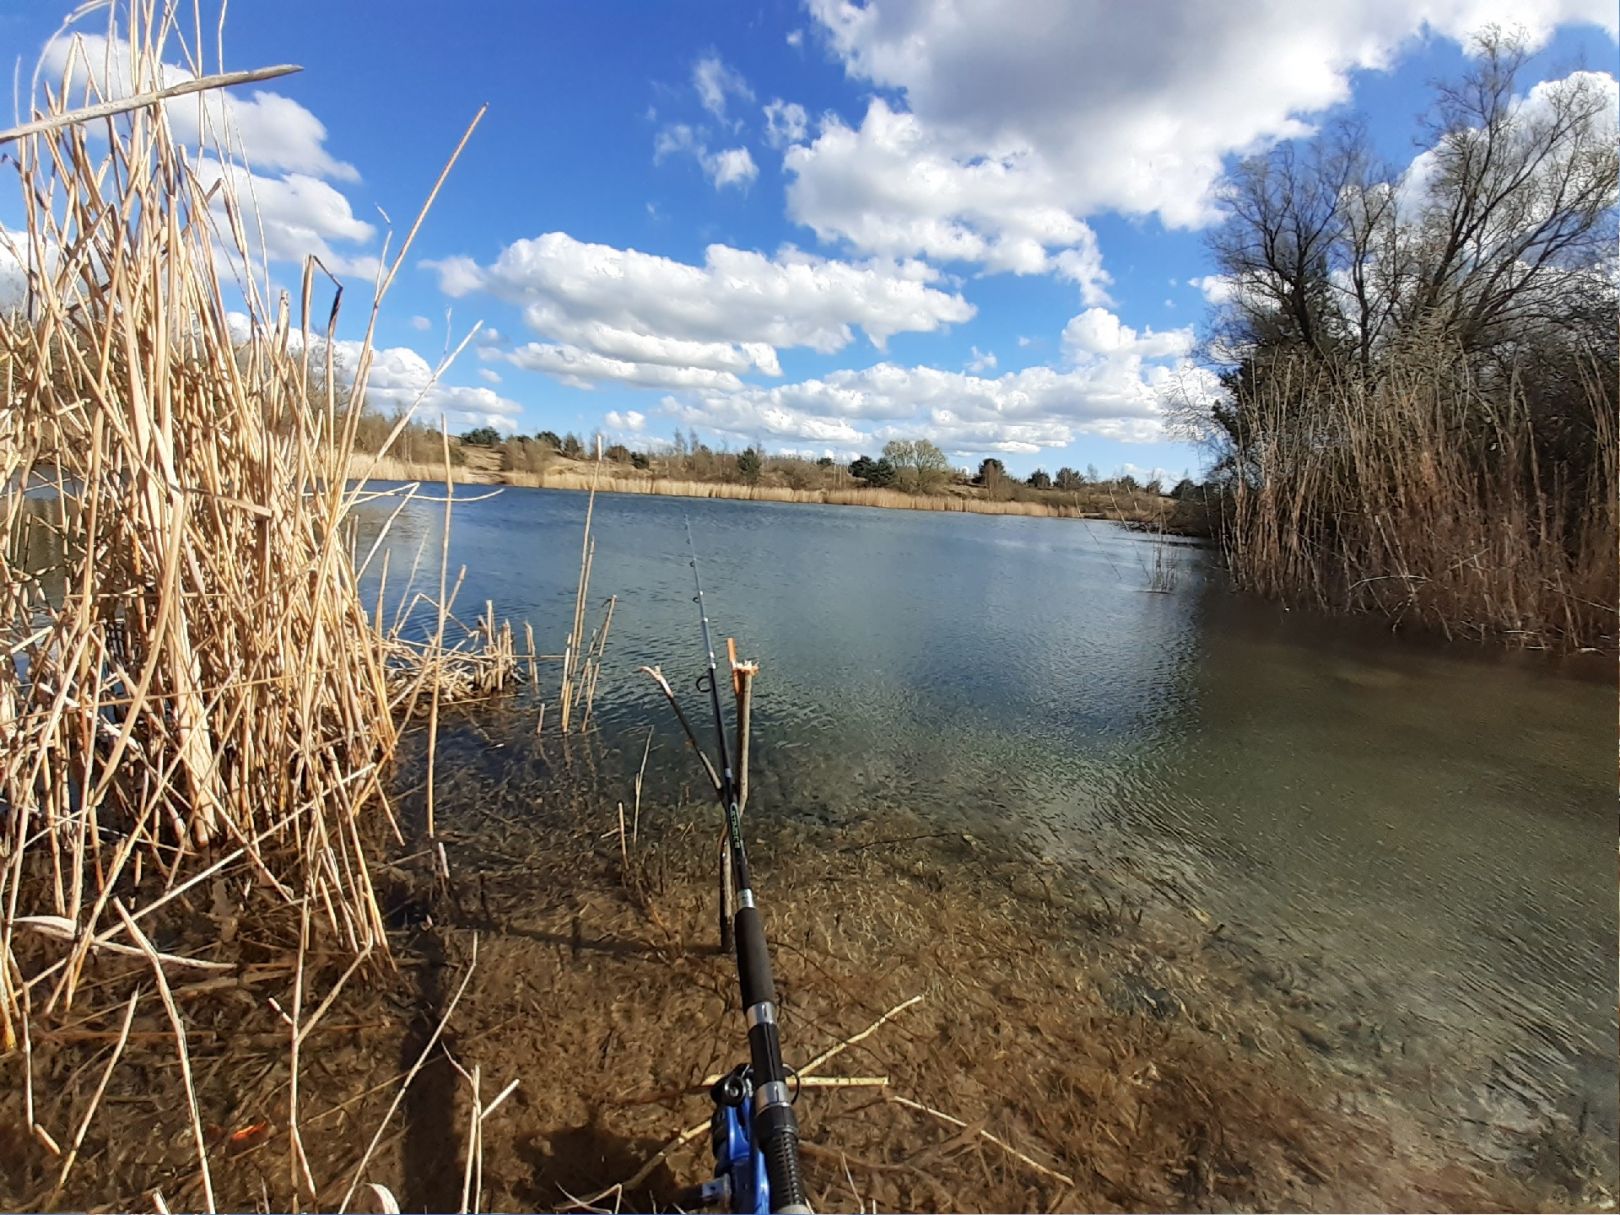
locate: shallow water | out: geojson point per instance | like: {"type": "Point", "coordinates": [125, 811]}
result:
{"type": "Point", "coordinates": [1416, 842]}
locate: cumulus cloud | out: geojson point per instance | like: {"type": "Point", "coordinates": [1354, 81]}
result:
{"type": "Point", "coordinates": [732, 167]}
{"type": "Point", "coordinates": [715, 81]}
{"type": "Point", "coordinates": [580, 368]}
{"type": "Point", "coordinates": [1118, 383]}
{"type": "Point", "coordinates": [1096, 331]}
{"type": "Point", "coordinates": [400, 378]}
{"type": "Point", "coordinates": [489, 375]}
{"type": "Point", "coordinates": [1012, 132]}
{"type": "Point", "coordinates": [274, 159]}
{"type": "Point", "coordinates": [636, 311]}
{"type": "Point", "coordinates": [785, 122]}
{"type": "Point", "coordinates": [1216, 288]}
{"type": "Point", "coordinates": [631, 421]}
{"type": "Point", "coordinates": [292, 217]}
{"type": "Point", "coordinates": [889, 187]}
{"type": "Point", "coordinates": [421, 324]}
{"type": "Point", "coordinates": [981, 360]}
{"type": "Point", "coordinates": [272, 131]}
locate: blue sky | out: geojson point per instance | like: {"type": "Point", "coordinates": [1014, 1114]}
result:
{"type": "Point", "coordinates": [814, 225]}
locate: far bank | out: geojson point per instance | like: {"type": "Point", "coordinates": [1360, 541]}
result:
{"type": "Point", "coordinates": [1135, 506]}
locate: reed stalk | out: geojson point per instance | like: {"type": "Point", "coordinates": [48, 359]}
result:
{"type": "Point", "coordinates": [1424, 497]}
{"type": "Point", "coordinates": [193, 687]}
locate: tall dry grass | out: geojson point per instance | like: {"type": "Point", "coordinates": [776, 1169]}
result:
{"type": "Point", "coordinates": [1424, 498]}
{"type": "Point", "coordinates": [892, 499]}
{"type": "Point", "coordinates": [193, 690]}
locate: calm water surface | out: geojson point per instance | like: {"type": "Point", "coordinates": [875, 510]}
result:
{"type": "Point", "coordinates": [1423, 837]}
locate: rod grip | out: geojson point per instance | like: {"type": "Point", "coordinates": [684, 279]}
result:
{"type": "Point", "coordinates": [778, 1133]}
{"type": "Point", "coordinates": [753, 959]}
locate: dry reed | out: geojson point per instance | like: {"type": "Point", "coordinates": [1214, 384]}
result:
{"type": "Point", "coordinates": [892, 499]}
{"type": "Point", "coordinates": [193, 688]}
{"type": "Point", "coordinates": [1424, 498]}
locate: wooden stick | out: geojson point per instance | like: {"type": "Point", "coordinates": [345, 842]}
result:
{"type": "Point", "coordinates": [834, 1051]}
{"type": "Point", "coordinates": [983, 1134]}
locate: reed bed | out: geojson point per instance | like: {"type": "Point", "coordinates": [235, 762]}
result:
{"type": "Point", "coordinates": [388, 468]}
{"type": "Point", "coordinates": [1427, 498]}
{"type": "Point", "coordinates": [892, 499]}
{"type": "Point", "coordinates": [194, 697]}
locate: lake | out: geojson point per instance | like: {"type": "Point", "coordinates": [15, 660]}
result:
{"type": "Point", "coordinates": [1420, 835]}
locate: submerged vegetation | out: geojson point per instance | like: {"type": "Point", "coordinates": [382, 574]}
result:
{"type": "Point", "coordinates": [1421, 401]}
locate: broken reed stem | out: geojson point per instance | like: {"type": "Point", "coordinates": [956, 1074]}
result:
{"type": "Point", "coordinates": [656, 674]}
{"type": "Point", "coordinates": [421, 1060]}
{"type": "Point", "coordinates": [438, 634]}
{"type": "Point", "coordinates": [101, 1088]}
{"type": "Point", "coordinates": [641, 773]}
{"type": "Point", "coordinates": [178, 1023]}
{"type": "Point", "coordinates": [122, 105]}
{"type": "Point", "coordinates": [742, 675]}
{"type": "Point", "coordinates": [576, 634]}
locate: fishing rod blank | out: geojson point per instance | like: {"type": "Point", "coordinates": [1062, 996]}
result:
{"type": "Point", "coordinates": [776, 1130]}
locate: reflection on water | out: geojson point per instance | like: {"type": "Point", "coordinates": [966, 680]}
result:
{"type": "Point", "coordinates": [1424, 834]}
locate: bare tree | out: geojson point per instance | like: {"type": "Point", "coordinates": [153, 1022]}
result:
{"type": "Point", "coordinates": [1491, 236]}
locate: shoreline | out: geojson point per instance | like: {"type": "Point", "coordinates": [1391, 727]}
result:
{"type": "Point", "coordinates": [1140, 511]}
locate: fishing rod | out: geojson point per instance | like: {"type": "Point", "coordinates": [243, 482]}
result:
{"type": "Point", "coordinates": [754, 1133]}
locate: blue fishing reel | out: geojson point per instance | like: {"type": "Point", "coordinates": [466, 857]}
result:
{"type": "Point", "coordinates": [739, 1183]}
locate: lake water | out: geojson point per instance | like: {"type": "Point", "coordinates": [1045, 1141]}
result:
{"type": "Point", "coordinates": [1421, 837]}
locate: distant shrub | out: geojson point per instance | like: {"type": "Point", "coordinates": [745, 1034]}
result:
{"type": "Point", "coordinates": [874, 472]}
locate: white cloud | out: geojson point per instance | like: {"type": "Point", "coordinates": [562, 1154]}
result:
{"type": "Point", "coordinates": [795, 38]}
{"type": "Point", "coordinates": [631, 420]}
{"type": "Point", "coordinates": [785, 122]}
{"type": "Point", "coordinates": [272, 131]}
{"type": "Point", "coordinates": [271, 149]}
{"type": "Point", "coordinates": [296, 215]}
{"type": "Point", "coordinates": [580, 368]}
{"type": "Point", "coordinates": [1120, 384]}
{"type": "Point", "coordinates": [489, 375]}
{"type": "Point", "coordinates": [982, 360]}
{"type": "Point", "coordinates": [1216, 288]}
{"type": "Point", "coordinates": [1097, 331]}
{"type": "Point", "coordinates": [732, 167]}
{"type": "Point", "coordinates": [714, 82]}
{"type": "Point", "coordinates": [638, 311]}
{"type": "Point", "coordinates": [888, 187]}
{"type": "Point", "coordinates": [1011, 132]}
{"type": "Point", "coordinates": [400, 378]}
{"type": "Point", "coordinates": [421, 324]}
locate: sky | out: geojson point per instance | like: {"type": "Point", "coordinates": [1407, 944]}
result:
{"type": "Point", "coordinates": [814, 226]}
